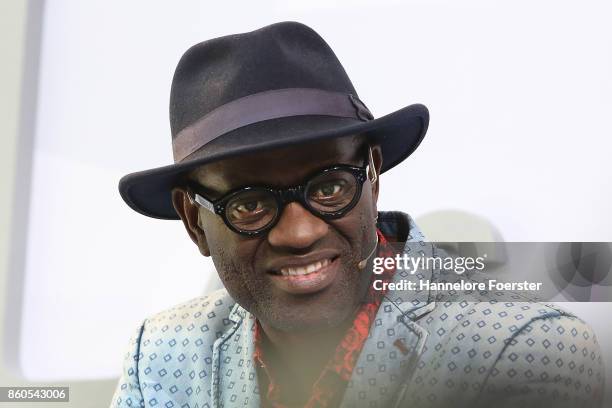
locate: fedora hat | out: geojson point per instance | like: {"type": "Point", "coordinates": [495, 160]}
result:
{"type": "Point", "coordinates": [277, 86]}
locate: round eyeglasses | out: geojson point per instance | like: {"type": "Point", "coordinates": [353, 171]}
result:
{"type": "Point", "coordinates": [329, 193]}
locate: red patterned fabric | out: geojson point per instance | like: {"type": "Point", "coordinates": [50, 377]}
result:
{"type": "Point", "coordinates": [331, 384]}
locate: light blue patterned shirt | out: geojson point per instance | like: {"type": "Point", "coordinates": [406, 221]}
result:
{"type": "Point", "coordinates": [465, 353]}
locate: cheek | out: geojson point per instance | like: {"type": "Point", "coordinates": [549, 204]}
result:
{"type": "Point", "coordinates": [358, 226]}
{"type": "Point", "coordinates": [211, 223]}
{"type": "Point", "coordinates": [233, 257]}
{"type": "Point", "coordinates": [234, 261]}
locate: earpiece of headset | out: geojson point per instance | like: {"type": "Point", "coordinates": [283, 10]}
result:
{"type": "Point", "coordinates": [372, 176]}
{"type": "Point", "coordinates": [362, 264]}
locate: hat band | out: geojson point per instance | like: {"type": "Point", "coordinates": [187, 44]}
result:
{"type": "Point", "coordinates": [279, 103]}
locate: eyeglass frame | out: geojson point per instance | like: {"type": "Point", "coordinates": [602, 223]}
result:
{"type": "Point", "coordinates": [284, 196]}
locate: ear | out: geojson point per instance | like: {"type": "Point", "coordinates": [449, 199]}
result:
{"type": "Point", "coordinates": [189, 213]}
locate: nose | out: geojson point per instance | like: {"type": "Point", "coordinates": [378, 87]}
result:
{"type": "Point", "coordinates": [297, 228]}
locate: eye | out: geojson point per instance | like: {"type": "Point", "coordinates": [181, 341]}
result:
{"type": "Point", "coordinates": [328, 190]}
{"type": "Point", "coordinates": [247, 208]}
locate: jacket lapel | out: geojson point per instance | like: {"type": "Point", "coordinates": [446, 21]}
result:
{"type": "Point", "coordinates": [387, 359]}
{"type": "Point", "coordinates": [395, 342]}
{"type": "Point", "coordinates": [234, 374]}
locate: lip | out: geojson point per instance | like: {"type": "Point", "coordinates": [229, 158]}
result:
{"type": "Point", "coordinates": [309, 283]}
{"type": "Point", "coordinates": [301, 260]}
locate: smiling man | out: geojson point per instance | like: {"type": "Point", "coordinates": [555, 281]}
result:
{"type": "Point", "coordinates": [276, 177]}
{"type": "Point", "coordinates": [289, 260]}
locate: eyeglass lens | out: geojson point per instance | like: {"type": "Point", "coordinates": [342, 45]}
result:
{"type": "Point", "coordinates": [331, 191]}
{"type": "Point", "coordinates": [251, 210]}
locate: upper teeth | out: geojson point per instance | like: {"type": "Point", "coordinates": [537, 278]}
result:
{"type": "Point", "coordinates": [306, 269]}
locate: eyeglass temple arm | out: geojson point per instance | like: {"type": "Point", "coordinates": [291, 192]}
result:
{"type": "Point", "coordinates": [196, 198]}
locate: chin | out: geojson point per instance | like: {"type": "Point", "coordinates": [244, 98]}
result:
{"type": "Point", "coordinates": [312, 321]}
{"type": "Point", "coordinates": [310, 316]}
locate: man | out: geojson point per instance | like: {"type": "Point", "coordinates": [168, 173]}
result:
{"type": "Point", "coordinates": [276, 177]}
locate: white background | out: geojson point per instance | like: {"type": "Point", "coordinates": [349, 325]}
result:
{"type": "Point", "coordinates": [520, 95]}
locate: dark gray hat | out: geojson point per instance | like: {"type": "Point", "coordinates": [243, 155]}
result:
{"type": "Point", "coordinates": [277, 86]}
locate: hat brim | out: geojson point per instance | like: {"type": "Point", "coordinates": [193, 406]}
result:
{"type": "Point", "coordinates": [399, 133]}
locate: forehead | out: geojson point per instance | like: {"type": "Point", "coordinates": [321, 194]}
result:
{"type": "Point", "coordinates": [279, 167]}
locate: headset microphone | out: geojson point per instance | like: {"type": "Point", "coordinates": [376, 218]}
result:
{"type": "Point", "coordinates": [362, 264]}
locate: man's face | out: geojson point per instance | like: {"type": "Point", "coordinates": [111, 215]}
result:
{"type": "Point", "coordinates": [255, 269]}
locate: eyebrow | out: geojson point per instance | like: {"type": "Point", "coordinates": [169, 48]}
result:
{"type": "Point", "coordinates": [357, 159]}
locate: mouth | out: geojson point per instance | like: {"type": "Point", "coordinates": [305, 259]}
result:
{"type": "Point", "coordinates": [304, 270]}
{"type": "Point", "coordinates": [304, 278]}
